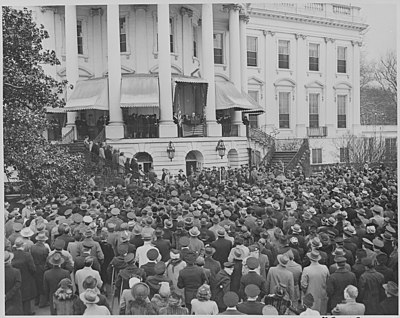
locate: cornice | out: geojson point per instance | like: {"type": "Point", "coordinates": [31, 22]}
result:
{"type": "Point", "coordinates": [293, 17]}
{"type": "Point", "coordinates": [298, 35]}
{"type": "Point", "coordinates": [359, 43]}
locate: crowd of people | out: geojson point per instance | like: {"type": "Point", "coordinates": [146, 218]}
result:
{"type": "Point", "coordinates": [220, 241]}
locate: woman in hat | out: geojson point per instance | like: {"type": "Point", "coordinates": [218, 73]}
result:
{"type": "Point", "coordinates": [90, 299]}
{"type": "Point", "coordinates": [126, 295]}
{"type": "Point", "coordinates": [202, 304]}
{"type": "Point", "coordinates": [12, 292]}
{"type": "Point", "coordinates": [174, 306]}
{"type": "Point", "coordinates": [160, 299]}
{"type": "Point", "coordinates": [139, 306]}
{"type": "Point", "coordinates": [63, 298]}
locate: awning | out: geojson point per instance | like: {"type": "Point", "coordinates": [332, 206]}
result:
{"type": "Point", "coordinates": [228, 97]}
{"type": "Point", "coordinates": [89, 94]}
{"type": "Point", "coordinates": [55, 110]}
{"type": "Point", "coordinates": [257, 107]}
{"type": "Point", "coordinates": [139, 91]}
{"type": "Point", "coordinates": [184, 79]}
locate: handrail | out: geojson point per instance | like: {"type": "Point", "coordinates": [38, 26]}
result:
{"type": "Point", "coordinates": [68, 137]}
{"type": "Point", "coordinates": [295, 160]}
{"type": "Point", "coordinates": [101, 136]}
{"type": "Point", "coordinates": [268, 157]}
{"type": "Point", "coordinates": [257, 135]}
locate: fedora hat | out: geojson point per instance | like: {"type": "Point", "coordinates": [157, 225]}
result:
{"type": "Point", "coordinates": [316, 242]}
{"type": "Point", "coordinates": [296, 228]}
{"type": "Point", "coordinates": [391, 288]}
{"type": "Point", "coordinates": [238, 253]}
{"type": "Point", "coordinates": [209, 250]}
{"type": "Point", "coordinates": [387, 236]}
{"type": "Point", "coordinates": [89, 296]}
{"type": "Point", "coordinates": [41, 237]}
{"type": "Point", "coordinates": [349, 230]}
{"type": "Point", "coordinates": [307, 215]}
{"type": "Point", "coordinates": [283, 259]}
{"type": "Point", "coordinates": [314, 255]}
{"type": "Point", "coordinates": [27, 232]}
{"type": "Point", "coordinates": [194, 231]}
{"type": "Point", "coordinates": [338, 252]}
{"type": "Point", "coordinates": [8, 256]}
{"type": "Point", "coordinates": [56, 259]}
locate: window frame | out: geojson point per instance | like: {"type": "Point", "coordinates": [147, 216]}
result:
{"type": "Point", "coordinates": [317, 62]}
{"type": "Point", "coordinates": [280, 115]}
{"type": "Point", "coordinates": [195, 41]}
{"type": "Point", "coordinates": [344, 116]}
{"type": "Point", "coordinates": [338, 60]}
{"type": "Point", "coordinates": [314, 114]}
{"type": "Point", "coordinates": [316, 155]}
{"type": "Point", "coordinates": [288, 55]}
{"type": "Point", "coordinates": [126, 17]}
{"type": "Point", "coordinates": [255, 58]}
{"type": "Point", "coordinates": [344, 154]}
{"type": "Point", "coordinates": [222, 55]}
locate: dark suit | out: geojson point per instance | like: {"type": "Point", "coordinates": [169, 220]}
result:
{"type": "Point", "coordinates": [222, 286]}
{"type": "Point", "coordinates": [51, 279]}
{"type": "Point", "coordinates": [164, 247]}
{"type": "Point", "coordinates": [336, 284]}
{"type": "Point", "coordinates": [253, 278]}
{"type": "Point", "coordinates": [251, 307]}
{"type": "Point", "coordinates": [13, 299]}
{"type": "Point", "coordinates": [191, 278]}
{"type": "Point", "coordinates": [223, 248]}
{"type": "Point", "coordinates": [390, 306]}
{"type": "Point", "coordinates": [39, 253]}
{"type": "Point", "coordinates": [371, 291]}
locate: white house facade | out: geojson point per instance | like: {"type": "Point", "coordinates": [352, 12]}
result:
{"type": "Point", "coordinates": [138, 70]}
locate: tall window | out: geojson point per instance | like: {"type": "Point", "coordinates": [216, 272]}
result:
{"type": "Point", "coordinates": [283, 54]}
{"type": "Point", "coordinates": [313, 106]}
{"type": "Point", "coordinates": [313, 58]}
{"type": "Point", "coordinates": [122, 34]}
{"type": "Point", "coordinates": [391, 148]}
{"type": "Point", "coordinates": [316, 155]}
{"type": "Point", "coordinates": [251, 51]}
{"type": "Point", "coordinates": [171, 35]}
{"type": "Point", "coordinates": [79, 29]}
{"type": "Point", "coordinates": [341, 110]}
{"type": "Point", "coordinates": [341, 59]}
{"type": "Point", "coordinates": [344, 154]}
{"type": "Point", "coordinates": [253, 119]}
{"type": "Point", "coordinates": [284, 106]}
{"type": "Point", "coordinates": [218, 48]}
{"type": "Point", "coordinates": [194, 41]}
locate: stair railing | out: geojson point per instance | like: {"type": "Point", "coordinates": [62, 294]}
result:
{"type": "Point", "coordinates": [101, 136]}
{"type": "Point", "coordinates": [268, 157]}
{"type": "Point", "coordinates": [297, 157]}
{"type": "Point", "coordinates": [68, 137]}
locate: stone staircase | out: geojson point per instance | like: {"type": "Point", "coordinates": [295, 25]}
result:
{"type": "Point", "coordinates": [280, 157]}
{"type": "Point", "coordinates": [76, 147]}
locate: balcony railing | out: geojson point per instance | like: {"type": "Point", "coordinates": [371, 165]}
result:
{"type": "Point", "coordinates": [317, 131]}
{"type": "Point", "coordinates": [142, 131]}
{"type": "Point", "coordinates": [341, 9]}
{"type": "Point", "coordinates": [230, 130]}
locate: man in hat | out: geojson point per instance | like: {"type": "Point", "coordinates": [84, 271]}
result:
{"type": "Point", "coordinates": [381, 261]}
{"type": "Point", "coordinates": [222, 247]}
{"type": "Point", "coordinates": [12, 289]}
{"type": "Point", "coordinates": [313, 281]}
{"type": "Point", "coordinates": [390, 306]}
{"type": "Point", "coordinates": [173, 267]}
{"type": "Point", "coordinates": [131, 270]}
{"type": "Point", "coordinates": [24, 262]}
{"type": "Point", "coordinates": [296, 270]}
{"type": "Point", "coordinates": [195, 244]}
{"type": "Point", "coordinates": [115, 219]}
{"type": "Point", "coordinates": [27, 210]}
{"type": "Point", "coordinates": [79, 261]}
{"type": "Point", "coordinates": [191, 277]}
{"type": "Point", "coordinates": [231, 299]}
{"type": "Point", "coordinates": [251, 306]}
{"type": "Point", "coordinates": [52, 278]}
{"type": "Point", "coordinates": [155, 281]}
{"type": "Point", "coordinates": [370, 287]}
{"type": "Point", "coordinates": [222, 285]}
{"type": "Point", "coordinates": [96, 250]}
{"type": "Point", "coordinates": [40, 251]}
{"type": "Point", "coordinates": [17, 228]}
{"type": "Point", "coordinates": [252, 277]}
{"type": "Point", "coordinates": [254, 251]}
{"type": "Point", "coordinates": [215, 225]}
{"type": "Point", "coordinates": [141, 252]}
{"type": "Point", "coordinates": [338, 281]}
{"type": "Point", "coordinates": [152, 256]}
{"type": "Point", "coordinates": [178, 234]}
{"type": "Point", "coordinates": [280, 274]}
{"type": "Point", "coordinates": [210, 263]}
{"type": "Point", "coordinates": [58, 249]}
{"type": "Point", "coordinates": [85, 272]}
{"type": "Point", "coordinates": [349, 306]}
{"type": "Point", "coordinates": [162, 244]}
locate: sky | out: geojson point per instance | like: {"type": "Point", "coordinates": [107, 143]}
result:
{"type": "Point", "coordinates": [382, 18]}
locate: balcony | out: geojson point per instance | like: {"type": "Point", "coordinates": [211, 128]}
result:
{"type": "Point", "coordinates": [230, 130]}
{"type": "Point", "coordinates": [314, 132]}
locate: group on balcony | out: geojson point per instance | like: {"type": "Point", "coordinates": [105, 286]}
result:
{"type": "Point", "coordinates": [141, 125]}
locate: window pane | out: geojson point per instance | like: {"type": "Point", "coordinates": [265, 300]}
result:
{"type": "Point", "coordinates": [218, 40]}
{"type": "Point", "coordinates": [341, 100]}
{"type": "Point", "coordinates": [284, 100]}
{"type": "Point", "coordinates": [283, 47]}
{"type": "Point", "coordinates": [341, 66]}
{"type": "Point", "coordinates": [251, 44]}
{"type": "Point", "coordinates": [313, 101]}
{"type": "Point", "coordinates": [314, 50]}
{"type": "Point", "coordinates": [341, 53]}
{"type": "Point", "coordinates": [313, 63]}
{"type": "Point", "coordinates": [218, 56]}
{"type": "Point", "coordinates": [316, 155]}
{"type": "Point", "coordinates": [251, 58]}
{"type": "Point", "coordinates": [253, 119]}
{"type": "Point", "coordinates": [283, 61]}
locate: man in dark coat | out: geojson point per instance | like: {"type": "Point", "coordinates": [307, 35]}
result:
{"type": "Point", "coordinates": [390, 306]}
{"type": "Point", "coordinates": [39, 254]}
{"type": "Point", "coordinates": [231, 299]}
{"type": "Point", "coordinates": [251, 306]}
{"type": "Point", "coordinates": [53, 276]}
{"type": "Point", "coordinates": [222, 247]}
{"type": "Point", "coordinates": [163, 245]}
{"type": "Point", "coordinates": [338, 281]}
{"type": "Point", "coordinates": [191, 278]}
{"type": "Point", "coordinates": [252, 277]}
{"type": "Point", "coordinates": [12, 278]}
{"type": "Point", "coordinates": [222, 285]}
{"type": "Point", "coordinates": [370, 287]}
{"type": "Point", "coordinates": [381, 260]}
{"type": "Point", "coordinates": [24, 262]}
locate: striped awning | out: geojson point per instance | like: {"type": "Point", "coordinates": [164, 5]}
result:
{"type": "Point", "coordinates": [55, 110]}
{"type": "Point", "coordinates": [139, 91]}
{"type": "Point", "coordinates": [258, 109]}
{"type": "Point", "coordinates": [89, 94]}
{"type": "Point", "coordinates": [187, 79]}
{"type": "Point", "coordinates": [228, 97]}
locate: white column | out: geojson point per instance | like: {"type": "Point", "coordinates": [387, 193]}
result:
{"type": "Point", "coordinates": [354, 103]}
{"type": "Point", "coordinates": [141, 54]}
{"type": "Point", "coordinates": [115, 129]}
{"type": "Point", "coordinates": [299, 109]}
{"type": "Point", "coordinates": [234, 61]}
{"type": "Point", "coordinates": [167, 126]}
{"type": "Point", "coordinates": [187, 40]}
{"type": "Point", "coordinates": [207, 45]}
{"type": "Point", "coordinates": [96, 14]}
{"type": "Point", "coordinates": [271, 111]}
{"type": "Point", "coordinates": [243, 20]}
{"type": "Point", "coordinates": [71, 61]}
{"type": "Point", "coordinates": [329, 93]}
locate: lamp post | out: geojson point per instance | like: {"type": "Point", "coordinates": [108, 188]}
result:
{"type": "Point", "coordinates": [171, 150]}
{"type": "Point", "coordinates": [221, 148]}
